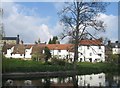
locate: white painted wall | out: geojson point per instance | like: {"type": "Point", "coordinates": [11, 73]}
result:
{"type": "Point", "coordinates": [62, 54]}
{"type": "Point", "coordinates": [17, 55]}
{"type": "Point", "coordinates": [9, 51]}
{"type": "Point", "coordinates": [92, 52]}
{"type": "Point", "coordinates": [28, 53]}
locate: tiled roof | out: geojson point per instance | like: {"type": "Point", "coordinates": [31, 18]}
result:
{"type": "Point", "coordinates": [19, 49]}
{"type": "Point", "coordinates": [28, 46]}
{"type": "Point", "coordinates": [90, 42]}
{"type": "Point", "coordinates": [115, 45]}
{"type": "Point", "coordinates": [60, 46]}
{"type": "Point", "coordinates": [38, 48]}
{"type": "Point", "coordinates": [7, 46]}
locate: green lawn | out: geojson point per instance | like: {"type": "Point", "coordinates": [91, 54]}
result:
{"type": "Point", "coordinates": [14, 65]}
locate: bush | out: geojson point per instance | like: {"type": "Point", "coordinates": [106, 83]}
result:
{"type": "Point", "coordinates": [58, 62]}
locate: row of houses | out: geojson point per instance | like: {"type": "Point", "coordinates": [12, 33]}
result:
{"type": "Point", "coordinates": [88, 50]}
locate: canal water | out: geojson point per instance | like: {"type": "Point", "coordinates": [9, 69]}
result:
{"type": "Point", "coordinates": [94, 80]}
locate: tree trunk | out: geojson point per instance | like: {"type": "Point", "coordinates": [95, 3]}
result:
{"type": "Point", "coordinates": [75, 54]}
{"type": "Point", "coordinates": [75, 81]}
{"type": "Point", "coordinates": [76, 38]}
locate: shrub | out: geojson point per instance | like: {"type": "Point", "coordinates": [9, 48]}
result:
{"type": "Point", "coordinates": [58, 62]}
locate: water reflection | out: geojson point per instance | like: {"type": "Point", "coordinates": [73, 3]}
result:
{"type": "Point", "coordinates": [82, 80]}
{"type": "Point", "coordinates": [92, 80]}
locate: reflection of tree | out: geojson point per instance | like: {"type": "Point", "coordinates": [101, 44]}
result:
{"type": "Point", "coordinates": [46, 83]}
{"type": "Point", "coordinates": [109, 79]}
{"type": "Point", "coordinates": [75, 81]}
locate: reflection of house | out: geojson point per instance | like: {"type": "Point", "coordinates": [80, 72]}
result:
{"type": "Point", "coordinates": [92, 80]}
{"type": "Point", "coordinates": [91, 50]}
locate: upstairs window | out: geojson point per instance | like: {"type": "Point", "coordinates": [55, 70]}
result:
{"type": "Point", "coordinates": [88, 47]}
{"type": "Point", "coordinates": [99, 47]}
{"type": "Point", "coordinates": [59, 50]}
{"type": "Point", "coordinates": [90, 54]}
{"type": "Point", "coordinates": [100, 55]}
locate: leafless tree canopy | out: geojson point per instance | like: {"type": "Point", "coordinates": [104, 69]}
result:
{"type": "Point", "coordinates": [77, 17]}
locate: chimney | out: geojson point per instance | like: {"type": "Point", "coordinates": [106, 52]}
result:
{"type": "Point", "coordinates": [116, 41]}
{"type": "Point", "coordinates": [109, 42]}
{"type": "Point", "coordinates": [17, 40]}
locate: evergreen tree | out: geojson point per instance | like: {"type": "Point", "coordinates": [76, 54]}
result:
{"type": "Point", "coordinates": [39, 41]}
{"type": "Point", "coordinates": [49, 41]}
{"type": "Point", "coordinates": [36, 42]}
{"type": "Point", "coordinates": [47, 54]}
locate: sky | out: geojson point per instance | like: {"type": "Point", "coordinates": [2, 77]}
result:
{"type": "Point", "coordinates": [34, 20]}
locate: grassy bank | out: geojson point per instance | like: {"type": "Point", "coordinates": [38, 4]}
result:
{"type": "Point", "coordinates": [14, 65]}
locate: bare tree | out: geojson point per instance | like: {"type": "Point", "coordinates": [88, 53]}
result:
{"type": "Point", "coordinates": [78, 17]}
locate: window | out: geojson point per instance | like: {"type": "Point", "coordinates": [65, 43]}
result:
{"type": "Point", "coordinates": [80, 59]}
{"type": "Point", "coordinates": [90, 78]}
{"type": "Point", "coordinates": [100, 77]}
{"type": "Point", "coordinates": [67, 57]}
{"type": "Point", "coordinates": [99, 47]}
{"type": "Point", "coordinates": [59, 50]}
{"type": "Point", "coordinates": [99, 54]}
{"type": "Point", "coordinates": [90, 54]}
{"type": "Point", "coordinates": [90, 59]}
{"type": "Point", "coordinates": [88, 47]}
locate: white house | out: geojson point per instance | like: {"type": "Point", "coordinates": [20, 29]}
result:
{"type": "Point", "coordinates": [91, 51]}
{"type": "Point", "coordinates": [28, 50]}
{"type": "Point", "coordinates": [61, 51]}
{"type": "Point", "coordinates": [22, 51]}
{"type": "Point", "coordinates": [115, 47]}
{"type": "Point", "coordinates": [88, 50]}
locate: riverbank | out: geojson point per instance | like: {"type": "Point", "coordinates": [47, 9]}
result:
{"type": "Point", "coordinates": [18, 66]}
{"type": "Point", "coordinates": [22, 75]}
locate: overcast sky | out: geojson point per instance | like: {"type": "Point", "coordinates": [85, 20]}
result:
{"type": "Point", "coordinates": [34, 20]}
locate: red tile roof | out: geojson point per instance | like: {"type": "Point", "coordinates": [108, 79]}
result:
{"type": "Point", "coordinates": [60, 46]}
{"type": "Point", "coordinates": [90, 42]}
